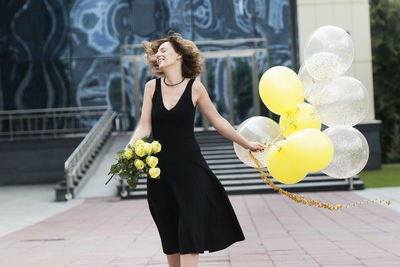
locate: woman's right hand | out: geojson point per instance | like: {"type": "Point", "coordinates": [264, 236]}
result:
{"type": "Point", "coordinates": [255, 147]}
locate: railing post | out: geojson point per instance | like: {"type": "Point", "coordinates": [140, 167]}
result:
{"type": "Point", "coordinates": [136, 89]}
{"type": "Point", "coordinates": [68, 183]}
{"type": "Point", "coordinates": [124, 117]}
{"type": "Point", "coordinates": [351, 183]}
{"type": "Point", "coordinates": [10, 126]}
{"type": "Point", "coordinates": [231, 107]}
{"type": "Point", "coordinates": [254, 76]}
{"type": "Point", "coordinates": [123, 86]}
{"type": "Point", "coordinates": [117, 124]}
{"type": "Point", "coordinates": [203, 79]}
{"type": "Point", "coordinates": [54, 124]}
{"type": "Point", "coordinates": [124, 192]}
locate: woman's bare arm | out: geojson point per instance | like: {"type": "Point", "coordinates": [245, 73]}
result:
{"type": "Point", "coordinates": [219, 122]}
{"type": "Point", "coordinates": [144, 126]}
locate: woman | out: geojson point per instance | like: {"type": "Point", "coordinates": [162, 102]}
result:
{"type": "Point", "coordinates": [189, 205]}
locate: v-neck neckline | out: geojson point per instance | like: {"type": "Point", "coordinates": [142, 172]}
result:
{"type": "Point", "coordinates": [179, 100]}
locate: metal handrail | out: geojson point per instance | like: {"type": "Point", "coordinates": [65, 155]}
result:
{"type": "Point", "coordinates": [80, 157]}
{"type": "Point", "coordinates": [38, 110]}
{"type": "Point", "coordinates": [47, 122]}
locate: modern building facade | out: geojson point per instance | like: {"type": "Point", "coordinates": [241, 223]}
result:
{"type": "Point", "coordinates": [68, 53]}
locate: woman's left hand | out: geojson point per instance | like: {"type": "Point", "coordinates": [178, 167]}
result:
{"type": "Point", "coordinates": [255, 147]}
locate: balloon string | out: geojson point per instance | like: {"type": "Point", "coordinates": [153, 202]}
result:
{"type": "Point", "coordinates": [287, 126]}
{"type": "Point", "coordinates": [291, 121]}
{"type": "Point", "coordinates": [309, 201]}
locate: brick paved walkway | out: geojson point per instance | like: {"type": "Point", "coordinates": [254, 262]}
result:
{"type": "Point", "coordinates": [279, 232]}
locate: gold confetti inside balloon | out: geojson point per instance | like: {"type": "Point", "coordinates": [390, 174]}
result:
{"type": "Point", "coordinates": [351, 152]}
{"type": "Point", "coordinates": [343, 101]}
{"type": "Point", "coordinates": [328, 52]}
{"type": "Point", "coordinates": [311, 86]}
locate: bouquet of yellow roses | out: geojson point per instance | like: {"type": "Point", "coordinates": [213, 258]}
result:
{"type": "Point", "coordinates": [133, 161]}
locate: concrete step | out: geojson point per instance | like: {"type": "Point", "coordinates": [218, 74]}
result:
{"type": "Point", "coordinates": [254, 178]}
{"type": "Point", "coordinates": [140, 191]}
{"type": "Point", "coordinates": [249, 183]}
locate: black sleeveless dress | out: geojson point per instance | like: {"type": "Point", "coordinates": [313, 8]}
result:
{"type": "Point", "coordinates": [188, 203]}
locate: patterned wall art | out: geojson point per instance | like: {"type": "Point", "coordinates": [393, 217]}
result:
{"type": "Point", "coordinates": [35, 67]}
{"type": "Point", "coordinates": [59, 53]}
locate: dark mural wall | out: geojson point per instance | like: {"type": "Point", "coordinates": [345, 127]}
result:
{"type": "Point", "coordinates": [59, 53]}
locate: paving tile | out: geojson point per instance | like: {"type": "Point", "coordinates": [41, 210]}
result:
{"type": "Point", "coordinates": [279, 232]}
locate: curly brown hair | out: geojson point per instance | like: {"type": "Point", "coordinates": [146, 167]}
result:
{"type": "Point", "coordinates": [191, 63]}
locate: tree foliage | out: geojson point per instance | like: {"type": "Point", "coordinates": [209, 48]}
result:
{"type": "Point", "coordinates": [385, 34]}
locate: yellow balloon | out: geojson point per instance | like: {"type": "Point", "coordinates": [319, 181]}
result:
{"type": "Point", "coordinates": [280, 167]}
{"type": "Point", "coordinates": [304, 117]}
{"type": "Point", "coordinates": [308, 149]}
{"type": "Point", "coordinates": [280, 90]}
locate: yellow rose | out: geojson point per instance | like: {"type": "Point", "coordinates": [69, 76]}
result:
{"type": "Point", "coordinates": [148, 147]}
{"type": "Point", "coordinates": [154, 172]}
{"type": "Point", "coordinates": [139, 164]}
{"type": "Point", "coordinates": [156, 146]}
{"type": "Point", "coordinates": [140, 151]}
{"type": "Point", "coordinates": [138, 142]}
{"type": "Point", "coordinates": [128, 153]}
{"type": "Point", "coordinates": [151, 161]}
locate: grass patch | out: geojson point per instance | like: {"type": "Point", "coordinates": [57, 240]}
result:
{"type": "Point", "coordinates": [389, 175]}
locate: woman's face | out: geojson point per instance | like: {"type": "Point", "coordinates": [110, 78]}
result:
{"type": "Point", "coordinates": [167, 56]}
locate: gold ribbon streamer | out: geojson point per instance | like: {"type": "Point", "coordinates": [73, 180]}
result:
{"type": "Point", "coordinates": [309, 201]}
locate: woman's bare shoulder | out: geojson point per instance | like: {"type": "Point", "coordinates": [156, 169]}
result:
{"type": "Point", "coordinates": [150, 87]}
{"type": "Point", "coordinates": [151, 84]}
{"type": "Point", "coordinates": [198, 86]}
{"type": "Point", "coordinates": [197, 89]}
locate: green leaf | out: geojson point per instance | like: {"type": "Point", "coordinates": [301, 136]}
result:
{"type": "Point", "coordinates": [115, 168]}
{"type": "Point", "coordinates": [123, 165]}
{"type": "Point", "coordinates": [124, 175]}
{"type": "Point", "coordinates": [132, 183]}
{"type": "Point", "coordinates": [145, 137]}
